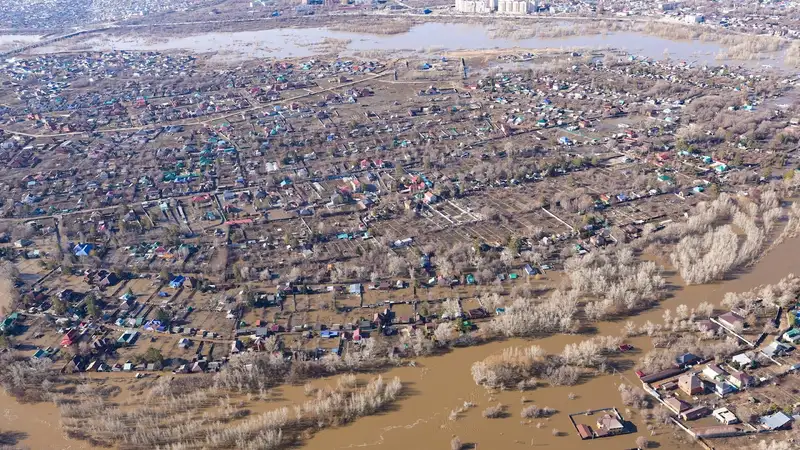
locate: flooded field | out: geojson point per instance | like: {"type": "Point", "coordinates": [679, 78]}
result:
{"type": "Point", "coordinates": [34, 426]}
{"type": "Point", "coordinates": [10, 41]}
{"type": "Point", "coordinates": [431, 37]}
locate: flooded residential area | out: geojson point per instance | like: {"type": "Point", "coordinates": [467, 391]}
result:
{"type": "Point", "coordinates": [478, 224]}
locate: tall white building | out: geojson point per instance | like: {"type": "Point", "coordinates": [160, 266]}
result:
{"type": "Point", "coordinates": [476, 6]}
{"type": "Point", "coordinates": [500, 6]}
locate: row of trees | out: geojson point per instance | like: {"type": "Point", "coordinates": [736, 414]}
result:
{"type": "Point", "coordinates": [524, 367]}
{"type": "Point", "coordinates": [173, 421]}
{"type": "Point", "coordinates": [614, 283]}
{"type": "Point", "coordinates": [708, 247]}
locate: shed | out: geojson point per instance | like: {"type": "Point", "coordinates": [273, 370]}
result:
{"type": "Point", "coordinates": [725, 416]}
{"type": "Point", "coordinates": [731, 320]}
{"type": "Point", "coordinates": [677, 405]}
{"type": "Point", "coordinates": [687, 359]}
{"type": "Point", "coordinates": [584, 431]}
{"type": "Point", "coordinates": [695, 413]}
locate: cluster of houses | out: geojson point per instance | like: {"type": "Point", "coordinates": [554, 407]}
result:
{"type": "Point", "coordinates": [692, 378]}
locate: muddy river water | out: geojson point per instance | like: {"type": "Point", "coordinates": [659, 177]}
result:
{"type": "Point", "coordinates": [429, 37]}
{"type": "Point", "coordinates": [437, 385]}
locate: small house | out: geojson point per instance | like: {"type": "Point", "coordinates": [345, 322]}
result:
{"type": "Point", "coordinates": [690, 384]}
{"type": "Point", "coordinates": [22, 243]}
{"type": "Point", "coordinates": [529, 270]}
{"type": "Point", "coordinates": [177, 282]}
{"type": "Point", "coordinates": [743, 360]}
{"type": "Point", "coordinates": [355, 289]}
{"type": "Point", "coordinates": [792, 336]}
{"type": "Point", "coordinates": [9, 324]}
{"type": "Point", "coordinates": [777, 421]}
{"type": "Point", "coordinates": [610, 425]}
{"type": "Point", "coordinates": [776, 349]}
{"type": "Point", "coordinates": [70, 338]}
{"type": "Point", "coordinates": [110, 279]}
{"type": "Point", "coordinates": [741, 380]}
{"type": "Point", "coordinates": [713, 372]}
{"type": "Point", "coordinates": [128, 337]}
{"type": "Point", "coordinates": [723, 388]}
{"type": "Point", "coordinates": [731, 320]}
{"type": "Point", "coordinates": [725, 416]}
{"type": "Point", "coordinates": [429, 198]}
{"type": "Point", "coordinates": [82, 249]}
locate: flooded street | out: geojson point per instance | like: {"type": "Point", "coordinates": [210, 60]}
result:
{"type": "Point", "coordinates": [428, 37]}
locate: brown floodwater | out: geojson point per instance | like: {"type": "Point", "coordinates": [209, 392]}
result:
{"type": "Point", "coordinates": [437, 385]}
{"type": "Point", "coordinates": [36, 426]}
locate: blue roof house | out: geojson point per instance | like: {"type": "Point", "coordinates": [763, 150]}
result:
{"type": "Point", "coordinates": [177, 282]}
{"type": "Point", "coordinates": [776, 421]}
{"type": "Point", "coordinates": [82, 249]}
{"type": "Point", "coordinates": [355, 289]}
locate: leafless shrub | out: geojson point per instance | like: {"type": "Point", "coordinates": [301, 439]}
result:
{"type": "Point", "coordinates": [591, 352]}
{"type": "Point", "coordinates": [494, 412]}
{"type": "Point", "coordinates": [347, 381]}
{"type": "Point", "coordinates": [633, 396]}
{"type": "Point", "coordinates": [455, 443]}
{"type": "Point", "coordinates": [563, 376]}
{"type": "Point", "coordinates": [510, 367]}
{"type": "Point", "coordinates": [642, 442]}
{"type": "Point", "coordinates": [534, 412]}
{"type": "Point", "coordinates": [309, 390]}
